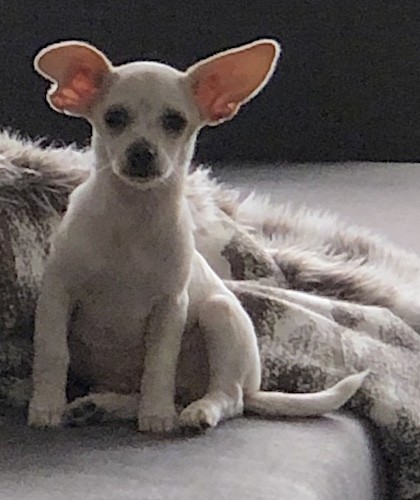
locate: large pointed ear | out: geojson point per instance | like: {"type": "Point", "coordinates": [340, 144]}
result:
{"type": "Point", "coordinates": [77, 71]}
{"type": "Point", "coordinates": [224, 82]}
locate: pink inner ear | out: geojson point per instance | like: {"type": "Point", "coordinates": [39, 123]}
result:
{"type": "Point", "coordinates": [78, 93]}
{"type": "Point", "coordinates": [222, 83]}
{"type": "Point", "coordinates": [216, 97]}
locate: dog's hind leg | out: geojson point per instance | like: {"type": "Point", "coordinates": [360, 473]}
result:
{"type": "Point", "coordinates": [233, 360]}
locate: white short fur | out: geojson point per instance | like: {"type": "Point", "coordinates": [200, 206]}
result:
{"type": "Point", "coordinates": [124, 277]}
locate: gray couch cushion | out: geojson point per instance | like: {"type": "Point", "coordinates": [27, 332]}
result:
{"type": "Point", "coordinates": [328, 458]}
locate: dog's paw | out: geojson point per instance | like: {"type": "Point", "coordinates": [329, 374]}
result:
{"type": "Point", "coordinates": [200, 415]}
{"type": "Point", "coordinates": [159, 423]}
{"type": "Point", "coordinates": [45, 413]}
{"type": "Point", "coordinates": [83, 411]}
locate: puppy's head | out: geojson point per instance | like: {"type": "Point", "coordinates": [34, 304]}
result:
{"type": "Point", "coordinates": [146, 115]}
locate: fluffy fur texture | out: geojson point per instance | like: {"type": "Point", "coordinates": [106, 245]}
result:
{"type": "Point", "coordinates": [42, 177]}
{"type": "Point", "coordinates": [318, 253]}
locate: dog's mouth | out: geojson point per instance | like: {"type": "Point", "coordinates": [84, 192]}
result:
{"type": "Point", "coordinates": [140, 181]}
{"type": "Point", "coordinates": [141, 176]}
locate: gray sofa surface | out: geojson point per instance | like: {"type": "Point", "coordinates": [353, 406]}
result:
{"type": "Point", "coordinates": [328, 458]}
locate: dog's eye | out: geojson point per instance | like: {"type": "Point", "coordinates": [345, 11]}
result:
{"type": "Point", "coordinates": [173, 122]}
{"type": "Point", "coordinates": [117, 118]}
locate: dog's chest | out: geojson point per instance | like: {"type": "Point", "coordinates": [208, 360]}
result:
{"type": "Point", "coordinates": [119, 281]}
{"type": "Point", "coordinates": [106, 336]}
{"type": "Point", "coordinates": [139, 261]}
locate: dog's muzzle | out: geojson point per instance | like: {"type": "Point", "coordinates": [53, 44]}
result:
{"type": "Point", "coordinates": [141, 161]}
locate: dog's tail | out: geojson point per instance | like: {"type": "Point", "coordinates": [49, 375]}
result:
{"type": "Point", "coordinates": [278, 404]}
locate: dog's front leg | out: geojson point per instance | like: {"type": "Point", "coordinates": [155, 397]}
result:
{"type": "Point", "coordinates": [51, 354]}
{"type": "Point", "coordinates": [163, 341]}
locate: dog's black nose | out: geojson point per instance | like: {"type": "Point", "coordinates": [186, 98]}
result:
{"type": "Point", "coordinates": [141, 160]}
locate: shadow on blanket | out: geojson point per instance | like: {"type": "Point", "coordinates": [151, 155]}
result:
{"type": "Point", "coordinates": [326, 300]}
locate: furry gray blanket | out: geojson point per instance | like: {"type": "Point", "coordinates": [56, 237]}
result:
{"type": "Point", "coordinates": [326, 300]}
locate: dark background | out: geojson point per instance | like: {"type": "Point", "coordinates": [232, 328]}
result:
{"type": "Point", "coordinates": [347, 87]}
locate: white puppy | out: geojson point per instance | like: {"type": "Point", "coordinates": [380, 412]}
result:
{"type": "Point", "coordinates": [123, 277]}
